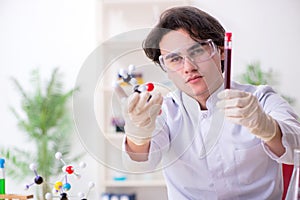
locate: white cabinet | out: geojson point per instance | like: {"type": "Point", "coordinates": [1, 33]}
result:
{"type": "Point", "coordinates": [122, 48]}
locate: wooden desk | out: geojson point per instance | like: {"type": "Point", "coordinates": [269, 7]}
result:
{"type": "Point", "coordinates": [14, 196]}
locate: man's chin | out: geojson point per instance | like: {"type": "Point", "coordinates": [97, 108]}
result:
{"type": "Point", "coordinates": [203, 93]}
{"type": "Point", "coordinates": [198, 93]}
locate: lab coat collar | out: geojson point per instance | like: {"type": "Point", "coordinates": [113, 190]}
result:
{"type": "Point", "coordinates": [213, 99]}
{"type": "Point", "coordinates": [191, 105]}
{"type": "Point", "coordinates": [210, 102]}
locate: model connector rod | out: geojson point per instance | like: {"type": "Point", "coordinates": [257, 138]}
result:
{"type": "Point", "coordinates": [227, 59]}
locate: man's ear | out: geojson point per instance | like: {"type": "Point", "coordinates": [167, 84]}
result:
{"type": "Point", "coordinates": [222, 55]}
{"type": "Point", "coordinates": [221, 51]}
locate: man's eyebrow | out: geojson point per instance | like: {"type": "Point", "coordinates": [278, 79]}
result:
{"type": "Point", "coordinates": [171, 55]}
{"type": "Point", "coordinates": [194, 46]}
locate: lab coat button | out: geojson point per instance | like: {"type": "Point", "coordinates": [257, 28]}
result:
{"type": "Point", "coordinates": [211, 185]}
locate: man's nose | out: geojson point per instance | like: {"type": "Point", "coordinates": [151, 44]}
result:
{"type": "Point", "coordinates": [188, 64]}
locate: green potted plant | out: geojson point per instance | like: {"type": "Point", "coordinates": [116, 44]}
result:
{"type": "Point", "coordinates": [46, 121]}
{"type": "Point", "coordinates": [254, 75]}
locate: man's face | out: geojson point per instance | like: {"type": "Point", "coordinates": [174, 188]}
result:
{"type": "Point", "coordinates": [198, 80]}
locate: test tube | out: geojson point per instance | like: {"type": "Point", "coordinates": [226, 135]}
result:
{"type": "Point", "coordinates": [227, 60]}
{"type": "Point", "coordinates": [2, 176]}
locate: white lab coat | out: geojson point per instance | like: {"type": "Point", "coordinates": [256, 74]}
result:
{"type": "Point", "coordinates": [204, 156]}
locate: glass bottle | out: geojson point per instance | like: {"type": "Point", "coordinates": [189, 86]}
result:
{"type": "Point", "coordinates": [293, 189]}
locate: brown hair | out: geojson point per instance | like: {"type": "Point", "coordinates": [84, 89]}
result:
{"type": "Point", "coordinates": [198, 24]}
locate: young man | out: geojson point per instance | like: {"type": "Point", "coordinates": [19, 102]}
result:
{"type": "Point", "coordinates": [213, 143]}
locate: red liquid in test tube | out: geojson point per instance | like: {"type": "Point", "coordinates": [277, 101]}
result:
{"type": "Point", "coordinates": [227, 60]}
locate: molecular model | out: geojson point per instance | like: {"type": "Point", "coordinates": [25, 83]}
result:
{"type": "Point", "coordinates": [61, 187]}
{"type": "Point", "coordinates": [64, 196]}
{"type": "Point", "coordinates": [84, 196]}
{"type": "Point", "coordinates": [128, 77]}
{"type": "Point", "coordinates": [37, 179]}
{"type": "Point", "coordinates": [64, 186]}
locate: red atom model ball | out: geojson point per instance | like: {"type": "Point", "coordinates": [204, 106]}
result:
{"type": "Point", "coordinates": [150, 87]}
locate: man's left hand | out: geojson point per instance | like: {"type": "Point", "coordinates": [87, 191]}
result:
{"type": "Point", "coordinates": [243, 108]}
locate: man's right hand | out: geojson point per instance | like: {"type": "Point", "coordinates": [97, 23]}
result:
{"type": "Point", "coordinates": [139, 112]}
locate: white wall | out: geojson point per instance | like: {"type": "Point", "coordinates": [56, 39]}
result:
{"type": "Point", "coordinates": [41, 34]}
{"type": "Point", "coordinates": [51, 33]}
{"type": "Point", "coordinates": [265, 31]}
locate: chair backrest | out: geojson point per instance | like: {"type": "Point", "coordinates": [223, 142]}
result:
{"type": "Point", "coordinates": [287, 171]}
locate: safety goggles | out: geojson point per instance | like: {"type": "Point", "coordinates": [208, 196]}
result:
{"type": "Point", "coordinates": [196, 52]}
